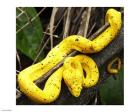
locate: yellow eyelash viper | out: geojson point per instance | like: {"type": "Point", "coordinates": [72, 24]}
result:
{"type": "Point", "coordinates": [73, 67]}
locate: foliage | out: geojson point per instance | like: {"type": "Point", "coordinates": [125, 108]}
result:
{"type": "Point", "coordinates": [29, 38]}
{"type": "Point", "coordinates": [111, 92]}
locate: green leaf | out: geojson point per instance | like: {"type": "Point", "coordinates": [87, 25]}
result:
{"type": "Point", "coordinates": [112, 92]}
{"type": "Point", "coordinates": [28, 39]}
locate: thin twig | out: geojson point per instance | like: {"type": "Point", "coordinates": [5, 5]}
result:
{"type": "Point", "coordinates": [76, 21]}
{"type": "Point", "coordinates": [17, 71]}
{"type": "Point", "coordinates": [41, 49]}
{"type": "Point", "coordinates": [55, 9]}
{"type": "Point", "coordinates": [98, 32]}
{"type": "Point", "coordinates": [91, 29]}
{"type": "Point", "coordinates": [45, 76]}
{"type": "Point", "coordinates": [19, 15]}
{"type": "Point", "coordinates": [82, 23]}
{"type": "Point", "coordinates": [87, 21]}
{"type": "Point", "coordinates": [30, 21]}
{"type": "Point", "coordinates": [78, 16]}
{"type": "Point", "coordinates": [54, 28]}
{"type": "Point", "coordinates": [18, 59]}
{"type": "Point", "coordinates": [20, 9]}
{"type": "Point", "coordinates": [51, 34]}
{"type": "Point", "coordinates": [92, 19]}
{"type": "Point", "coordinates": [59, 21]}
{"type": "Point", "coordinates": [67, 25]}
{"type": "Point", "coordinates": [27, 15]}
{"type": "Point", "coordinates": [96, 98]}
{"type": "Point", "coordinates": [56, 36]}
{"type": "Point", "coordinates": [18, 94]}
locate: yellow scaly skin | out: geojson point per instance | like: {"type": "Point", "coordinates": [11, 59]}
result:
{"type": "Point", "coordinates": [112, 70]}
{"type": "Point", "coordinates": [73, 73]}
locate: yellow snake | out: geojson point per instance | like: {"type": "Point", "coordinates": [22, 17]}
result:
{"type": "Point", "coordinates": [73, 68]}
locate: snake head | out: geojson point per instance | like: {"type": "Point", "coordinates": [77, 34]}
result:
{"type": "Point", "coordinates": [73, 76]}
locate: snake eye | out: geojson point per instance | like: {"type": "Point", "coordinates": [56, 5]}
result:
{"type": "Point", "coordinates": [73, 65]}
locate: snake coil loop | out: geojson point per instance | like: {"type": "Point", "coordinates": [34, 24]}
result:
{"type": "Point", "coordinates": [112, 70]}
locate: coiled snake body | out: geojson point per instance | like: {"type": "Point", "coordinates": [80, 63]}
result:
{"type": "Point", "coordinates": [72, 69]}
